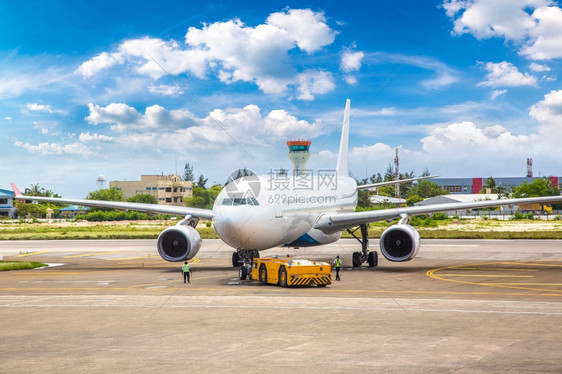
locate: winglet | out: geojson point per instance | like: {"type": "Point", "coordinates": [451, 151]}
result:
{"type": "Point", "coordinates": [341, 168]}
{"type": "Point", "coordinates": [16, 189]}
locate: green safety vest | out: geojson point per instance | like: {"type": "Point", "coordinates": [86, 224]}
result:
{"type": "Point", "coordinates": [185, 268]}
{"type": "Point", "coordinates": [338, 262]}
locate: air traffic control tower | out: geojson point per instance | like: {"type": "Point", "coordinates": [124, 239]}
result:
{"type": "Point", "coordinates": [299, 154]}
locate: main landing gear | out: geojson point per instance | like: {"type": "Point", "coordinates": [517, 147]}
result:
{"type": "Point", "coordinates": [371, 257]}
{"type": "Point", "coordinates": [242, 259]}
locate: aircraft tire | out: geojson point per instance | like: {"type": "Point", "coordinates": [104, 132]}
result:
{"type": "Point", "coordinates": [373, 259]}
{"type": "Point", "coordinates": [235, 259]}
{"type": "Point", "coordinates": [356, 259]}
{"type": "Point", "coordinates": [242, 273]}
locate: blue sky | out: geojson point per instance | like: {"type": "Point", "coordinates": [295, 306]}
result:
{"type": "Point", "coordinates": [463, 88]}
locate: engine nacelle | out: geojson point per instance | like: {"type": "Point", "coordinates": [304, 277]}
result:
{"type": "Point", "coordinates": [179, 243]}
{"type": "Point", "coordinates": [400, 243]}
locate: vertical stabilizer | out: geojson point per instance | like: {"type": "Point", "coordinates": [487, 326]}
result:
{"type": "Point", "coordinates": [341, 168]}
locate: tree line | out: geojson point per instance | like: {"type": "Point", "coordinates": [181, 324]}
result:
{"type": "Point", "coordinates": [204, 197]}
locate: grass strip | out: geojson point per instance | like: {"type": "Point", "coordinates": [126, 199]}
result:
{"type": "Point", "coordinates": [20, 265]}
{"type": "Point", "coordinates": [485, 230]}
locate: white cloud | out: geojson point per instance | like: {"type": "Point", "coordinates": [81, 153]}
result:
{"type": "Point", "coordinates": [27, 77]}
{"type": "Point", "coordinates": [86, 137]}
{"type": "Point", "coordinates": [538, 67]}
{"type": "Point", "coordinates": [175, 129]}
{"type": "Point", "coordinates": [497, 93]}
{"type": "Point", "coordinates": [47, 127]}
{"type": "Point", "coordinates": [504, 74]}
{"type": "Point", "coordinates": [102, 61]}
{"type": "Point", "coordinates": [480, 149]}
{"type": "Point", "coordinates": [535, 26]}
{"type": "Point", "coordinates": [546, 36]}
{"type": "Point", "coordinates": [233, 52]}
{"type": "Point", "coordinates": [113, 113]}
{"type": "Point", "coordinates": [548, 113]}
{"type": "Point", "coordinates": [123, 118]}
{"type": "Point", "coordinates": [307, 28]}
{"type": "Point", "coordinates": [314, 82]}
{"type": "Point", "coordinates": [8, 118]}
{"type": "Point", "coordinates": [351, 61]}
{"type": "Point", "coordinates": [493, 18]}
{"type": "Point", "coordinates": [77, 149]}
{"type": "Point", "coordinates": [464, 143]}
{"type": "Point", "coordinates": [445, 75]}
{"type": "Point", "coordinates": [165, 90]}
{"type": "Point", "coordinates": [41, 108]}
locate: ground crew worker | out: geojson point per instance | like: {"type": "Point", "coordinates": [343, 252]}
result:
{"type": "Point", "coordinates": [337, 265]}
{"type": "Point", "coordinates": [186, 270]}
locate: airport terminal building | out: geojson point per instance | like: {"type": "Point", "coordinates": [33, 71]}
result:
{"type": "Point", "coordinates": [168, 189]}
{"type": "Point", "coordinates": [7, 203]}
{"type": "Point", "coordinates": [474, 185]}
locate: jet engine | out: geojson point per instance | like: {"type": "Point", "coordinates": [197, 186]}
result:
{"type": "Point", "coordinates": [179, 243]}
{"type": "Point", "coordinates": [400, 243]}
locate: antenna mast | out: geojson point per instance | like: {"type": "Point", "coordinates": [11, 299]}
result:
{"type": "Point", "coordinates": [397, 175]}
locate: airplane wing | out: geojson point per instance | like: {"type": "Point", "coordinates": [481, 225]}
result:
{"type": "Point", "coordinates": [150, 208]}
{"type": "Point", "coordinates": [399, 181]}
{"type": "Point", "coordinates": [330, 223]}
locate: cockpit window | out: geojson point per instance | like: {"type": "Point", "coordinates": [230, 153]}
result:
{"type": "Point", "coordinates": [240, 201]}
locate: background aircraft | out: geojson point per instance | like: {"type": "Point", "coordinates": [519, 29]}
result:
{"type": "Point", "coordinates": [255, 213]}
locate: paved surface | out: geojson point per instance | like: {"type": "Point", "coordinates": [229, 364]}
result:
{"type": "Point", "coordinates": [462, 306]}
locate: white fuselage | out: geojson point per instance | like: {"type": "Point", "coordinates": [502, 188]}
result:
{"type": "Point", "coordinates": [264, 212]}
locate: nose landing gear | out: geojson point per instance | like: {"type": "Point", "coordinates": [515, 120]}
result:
{"type": "Point", "coordinates": [242, 259]}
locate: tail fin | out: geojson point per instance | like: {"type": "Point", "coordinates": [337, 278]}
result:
{"type": "Point", "coordinates": [16, 189]}
{"type": "Point", "coordinates": [341, 168]}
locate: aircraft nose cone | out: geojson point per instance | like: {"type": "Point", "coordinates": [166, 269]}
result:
{"type": "Point", "coordinates": [229, 230]}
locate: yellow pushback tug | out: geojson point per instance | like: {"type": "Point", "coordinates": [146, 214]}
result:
{"type": "Point", "coordinates": [288, 272]}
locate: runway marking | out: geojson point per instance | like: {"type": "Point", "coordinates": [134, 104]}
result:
{"type": "Point", "coordinates": [540, 264]}
{"type": "Point", "coordinates": [284, 307]}
{"type": "Point", "coordinates": [31, 254]}
{"type": "Point", "coordinates": [499, 269]}
{"type": "Point", "coordinates": [531, 284]}
{"type": "Point", "coordinates": [522, 286]}
{"type": "Point", "coordinates": [92, 254]}
{"type": "Point", "coordinates": [487, 275]}
{"type": "Point", "coordinates": [99, 282]}
{"type": "Point", "coordinates": [231, 289]}
{"type": "Point", "coordinates": [132, 258]}
{"type": "Point", "coordinates": [452, 245]}
{"type": "Point", "coordinates": [46, 273]}
{"type": "Point", "coordinates": [194, 260]}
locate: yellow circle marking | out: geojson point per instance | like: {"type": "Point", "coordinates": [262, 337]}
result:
{"type": "Point", "coordinates": [455, 272]}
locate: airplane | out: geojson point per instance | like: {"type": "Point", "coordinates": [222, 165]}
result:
{"type": "Point", "coordinates": [255, 213]}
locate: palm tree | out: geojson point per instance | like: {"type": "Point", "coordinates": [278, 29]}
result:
{"type": "Point", "coordinates": [490, 183]}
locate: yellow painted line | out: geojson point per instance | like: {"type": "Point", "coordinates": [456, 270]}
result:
{"type": "Point", "coordinates": [431, 274]}
{"type": "Point", "coordinates": [92, 254]}
{"type": "Point", "coordinates": [46, 273]}
{"type": "Point", "coordinates": [487, 275]}
{"type": "Point", "coordinates": [531, 284]}
{"type": "Point", "coordinates": [31, 253]}
{"type": "Point", "coordinates": [192, 261]}
{"type": "Point", "coordinates": [500, 269]}
{"type": "Point", "coordinates": [534, 264]}
{"type": "Point", "coordinates": [132, 258]}
{"type": "Point", "coordinates": [274, 289]}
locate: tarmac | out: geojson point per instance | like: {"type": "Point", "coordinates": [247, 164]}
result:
{"type": "Point", "coordinates": [461, 306]}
